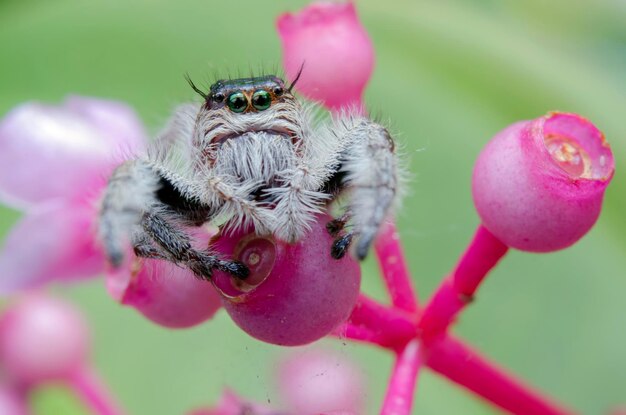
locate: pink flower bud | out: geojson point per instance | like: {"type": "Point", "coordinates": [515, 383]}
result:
{"type": "Point", "coordinates": [337, 54]}
{"type": "Point", "coordinates": [317, 381]}
{"type": "Point", "coordinates": [42, 339]}
{"type": "Point", "coordinates": [538, 185]}
{"type": "Point", "coordinates": [165, 293]}
{"type": "Point", "coordinates": [295, 294]}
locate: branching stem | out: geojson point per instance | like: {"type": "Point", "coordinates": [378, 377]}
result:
{"type": "Point", "coordinates": [394, 269]}
{"type": "Point", "coordinates": [462, 365]}
{"type": "Point", "coordinates": [401, 390]}
{"type": "Point", "coordinates": [93, 393]}
{"type": "Point", "coordinates": [457, 290]}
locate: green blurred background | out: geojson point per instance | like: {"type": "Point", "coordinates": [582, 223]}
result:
{"type": "Point", "coordinates": [448, 76]}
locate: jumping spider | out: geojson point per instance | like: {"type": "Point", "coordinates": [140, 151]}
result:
{"type": "Point", "coordinates": [250, 154]}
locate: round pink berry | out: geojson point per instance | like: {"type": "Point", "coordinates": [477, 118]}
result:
{"type": "Point", "coordinates": [538, 185]}
{"type": "Point", "coordinates": [165, 293]}
{"type": "Point", "coordinates": [295, 294]}
{"type": "Point", "coordinates": [42, 339]}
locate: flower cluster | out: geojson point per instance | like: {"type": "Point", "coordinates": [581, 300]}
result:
{"type": "Point", "coordinates": [44, 340]}
{"type": "Point", "coordinates": [538, 186]}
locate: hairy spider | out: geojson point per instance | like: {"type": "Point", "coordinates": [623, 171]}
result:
{"type": "Point", "coordinates": [250, 154]}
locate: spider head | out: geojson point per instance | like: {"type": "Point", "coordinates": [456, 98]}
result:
{"type": "Point", "coordinates": [238, 107]}
{"type": "Point", "coordinates": [247, 95]}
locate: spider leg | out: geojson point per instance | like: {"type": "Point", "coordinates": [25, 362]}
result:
{"type": "Point", "coordinates": [341, 245]}
{"type": "Point", "coordinates": [137, 199]}
{"type": "Point", "coordinates": [235, 203]}
{"type": "Point", "coordinates": [143, 248]}
{"type": "Point", "coordinates": [368, 173]}
{"type": "Point", "coordinates": [309, 186]}
{"type": "Point", "coordinates": [178, 247]}
{"type": "Point", "coordinates": [130, 192]}
{"type": "Point", "coordinates": [297, 203]}
{"type": "Point", "coordinates": [338, 224]}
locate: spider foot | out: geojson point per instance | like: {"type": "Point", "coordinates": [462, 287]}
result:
{"type": "Point", "coordinates": [341, 246]}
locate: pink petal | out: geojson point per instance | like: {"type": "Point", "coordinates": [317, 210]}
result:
{"type": "Point", "coordinates": [123, 129]}
{"type": "Point", "coordinates": [53, 241]}
{"type": "Point", "coordinates": [49, 151]}
{"type": "Point", "coordinates": [12, 402]}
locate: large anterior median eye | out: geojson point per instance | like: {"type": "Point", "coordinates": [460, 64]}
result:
{"type": "Point", "coordinates": [237, 102]}
{"type": "Point", "coordinates": [261, 100]}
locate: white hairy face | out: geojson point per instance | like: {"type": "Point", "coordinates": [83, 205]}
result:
{"type": "Point", "coordinates": [248, 133]}
{"type": "Point", "coordinates": [235, 108]}
{"type": "Point", "coordinates": [254, 157]}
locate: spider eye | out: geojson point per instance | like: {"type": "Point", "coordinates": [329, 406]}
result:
{"type": "Point", "coordinates": [278, 91]}
{"type": "Point", "coordinates": [218, 97]}
{"type": "Point", "coordinates": [261, 100]}
{"type": "Point", "coordinates": [237, 102]}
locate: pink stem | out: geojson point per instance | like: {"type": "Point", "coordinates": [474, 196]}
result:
{"type": "Point", "coordinates": [92, 392]}
{"type": "Point", "coordinates": [394, 328]}
{"type": "Point", "coordinates": [360, 334]}
{"type": "Point", "coordinates": [394, 269]}
{"type": "Point", "coordinates": [457, 290]}
{"type": "Point", "coordinates": [401, 390]}
{"type": "Point", "coordinates": [462, 365]}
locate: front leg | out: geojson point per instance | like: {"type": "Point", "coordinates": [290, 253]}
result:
{"type": "Point", "coordinates": [304, 192]}
{"type": "Point", "coordinates": [136, 203]}
{"type": "Point", "coordinates": [176, 246]}
{"type": "Point", "coordinates": [368, 172]}
{"type": "Point", "coordinates": [297, 203]}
